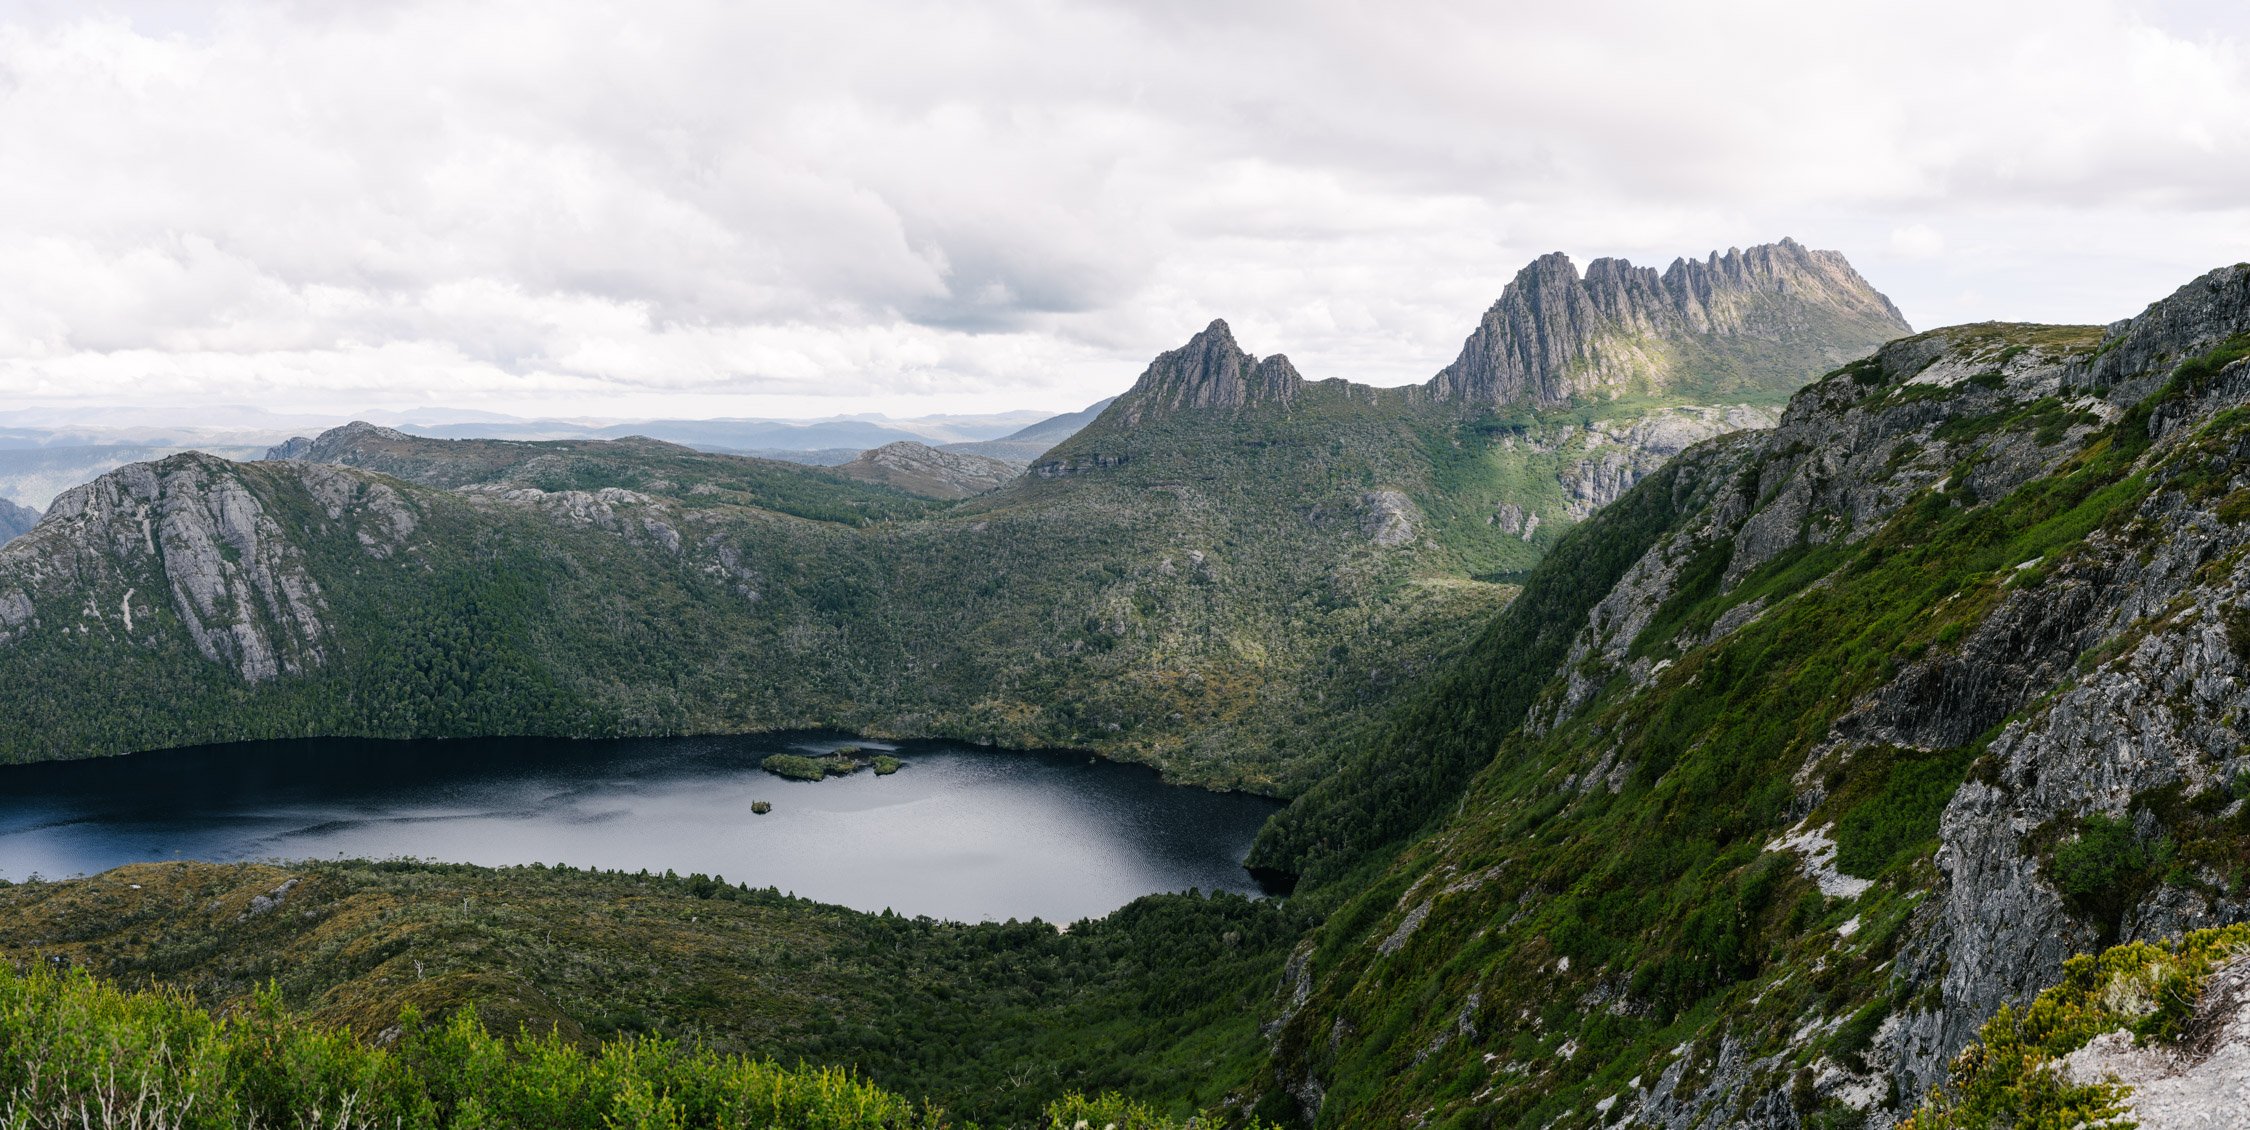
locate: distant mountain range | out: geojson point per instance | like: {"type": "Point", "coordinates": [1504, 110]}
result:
{"type": "Point", "coordinates": [15, 521]}
{"type": "Point", "coordinates": [44, 452]}
{"type": "Point", "coordinates": [1221, 570]}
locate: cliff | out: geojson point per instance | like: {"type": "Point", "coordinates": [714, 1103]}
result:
{"type": "Point", "coordinates": [1747, 321]}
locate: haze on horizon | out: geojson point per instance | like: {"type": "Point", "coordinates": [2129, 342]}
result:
{"type": "Point", "coordinates": [707, 209]}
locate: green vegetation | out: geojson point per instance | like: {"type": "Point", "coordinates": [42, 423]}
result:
{"type": "Point", "coordinates": [70, 1044]}
{"type": "Point", "coordinates": [1442, 737]}
{"type": "Point", "coordinates": [798, 767]}
{"type": "Point", "coordinates": [1898, 817]}
{"type": "Point", "coordinates": [840, 762]}
{"type": "Point", "coordinates": [1158, 1002]}
{"type": "Point", "coordinates": [153, 1058]}
{"type": "Point", "coordinates": [1633, 835]}
{"type": "Point", "coordinates": [2010, 1077]}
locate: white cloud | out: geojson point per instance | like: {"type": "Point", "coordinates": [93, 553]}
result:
{"type": "Point", "coordinates": [708, 207]}
{"type": "Point", "coordinates": [1917, 241]}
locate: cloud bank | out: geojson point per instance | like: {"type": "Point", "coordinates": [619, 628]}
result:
{"type": "Point", "coordinates": [717, 208]}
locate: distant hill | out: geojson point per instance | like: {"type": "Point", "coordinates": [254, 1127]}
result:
{"type": "Point", "coordinates": [1227, 571]}
{"type": "Point", "coordinates": [1022, 447]}
{"type": "Point", "coordinates": [15, 521]}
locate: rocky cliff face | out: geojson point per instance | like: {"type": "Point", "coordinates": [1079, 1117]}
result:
{"type": "Point", "coordinates": [1209, 372]}
{"type": "Point", "coordinates": [192, 543]}
{"type": "Point", "coordinates": [15, 521]}
{"type": "Point", "coordinates": [1941, 677]}
{"type": "Point", "coordinates": [1745, 321]}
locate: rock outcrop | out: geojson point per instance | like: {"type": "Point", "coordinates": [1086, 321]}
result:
{"type": "Point", "coordinates": [928, 471]}
{"type": "Point", "coordinates": [191, 531]}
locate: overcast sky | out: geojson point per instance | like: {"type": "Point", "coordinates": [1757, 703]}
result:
{"type": "Point", "coordinates": [802, 209]}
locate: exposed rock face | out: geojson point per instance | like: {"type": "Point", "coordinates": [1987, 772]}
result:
{"type": "Point", "coordinates": [191, 527]}
{"type": "Point", "coordinates": [335, 444]}
{"type": "Point", "coordinates": [15, 521]}
{"type": "Point", "coordinates": [1554, 336]}
{"type": "Point", "coordinates": [293, 448]}
{"type": "Point", "coordinates": [1209, 372]}
{"type": "Point", "coordinates": [928, 471]}
{"type": "Point", "coordinates": [1607, 457]}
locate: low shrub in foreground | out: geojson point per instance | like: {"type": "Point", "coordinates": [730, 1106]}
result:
{"type": "Point", "coordinates": [2009, 1078]}
{"type": "Point", "coordinates": [76, 1052]}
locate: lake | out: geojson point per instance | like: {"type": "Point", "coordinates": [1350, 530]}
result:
{"type": "Point", "coordinates": [960, 833]}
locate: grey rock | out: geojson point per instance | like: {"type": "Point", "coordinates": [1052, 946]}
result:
{"type": "Point", "coordinates": [1554, 336]}
{"type": "Point", "coordinates": [929, 471]}
{"type": "Point", "coordinates": [15, 521]}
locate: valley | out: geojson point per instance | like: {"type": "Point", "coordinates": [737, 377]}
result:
{"type": "Point", "coordinates": [1800, 734]}
{"type": "Point", "coordinates": [1224, 571]}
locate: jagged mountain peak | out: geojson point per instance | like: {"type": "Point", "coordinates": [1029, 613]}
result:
{"type": "Point", "coordinates": [1759, 319]}
{"type": "Point", "coordinates": [1210, 371]}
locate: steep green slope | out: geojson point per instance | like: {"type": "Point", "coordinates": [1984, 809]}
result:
{"type": "Point", "coordinates": [1697, 876]}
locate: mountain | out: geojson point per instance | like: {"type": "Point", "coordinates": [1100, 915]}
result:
{"type": "Point", "coordinates": [1021, 447]}
{"type": "Point", "coordinates": [1746, 322]}
{"type": "Point", "coordinates": [15, 521]}
{"type": "Point", "coordinates": [1787, 769]}
{"type": "Point", "coordinates": [1796, 763]}
{"type": "Point", "coordinates": [930, 472]}
{"type": "Point", "coordinates": [1226, 573]}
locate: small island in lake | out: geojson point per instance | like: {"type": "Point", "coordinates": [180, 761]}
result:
{"type": "Point", "coordinates": [841, 763]}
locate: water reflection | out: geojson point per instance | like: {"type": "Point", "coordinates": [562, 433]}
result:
{"type": "Point", "coordinates": [960, 833]}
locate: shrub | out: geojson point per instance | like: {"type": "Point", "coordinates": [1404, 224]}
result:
{"type": "Point", "coordinates": [795, 767]}
{"type": "Point", "coordinates": [70, 1043]}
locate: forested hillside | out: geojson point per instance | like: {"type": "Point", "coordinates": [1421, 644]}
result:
{"type": "Point", "coordinates": [1230, 573]}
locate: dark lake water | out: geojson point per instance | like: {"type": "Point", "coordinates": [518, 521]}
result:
{"type": "Point", "coordinates": [960, 832]}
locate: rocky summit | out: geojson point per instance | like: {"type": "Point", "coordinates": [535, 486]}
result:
{"type": "Point", "coordinates": [1745, 320]}
{"type": "Point", "coordinates": [931, 472]}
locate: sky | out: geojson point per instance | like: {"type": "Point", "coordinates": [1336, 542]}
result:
{"type": "Point", "coordinates": [777, 209]}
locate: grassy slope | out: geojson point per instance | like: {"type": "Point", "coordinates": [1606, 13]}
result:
{"type": "Point", "coordinates": [75, 1051]}
{"type": "Point", "coordinates": [1565, 941]}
